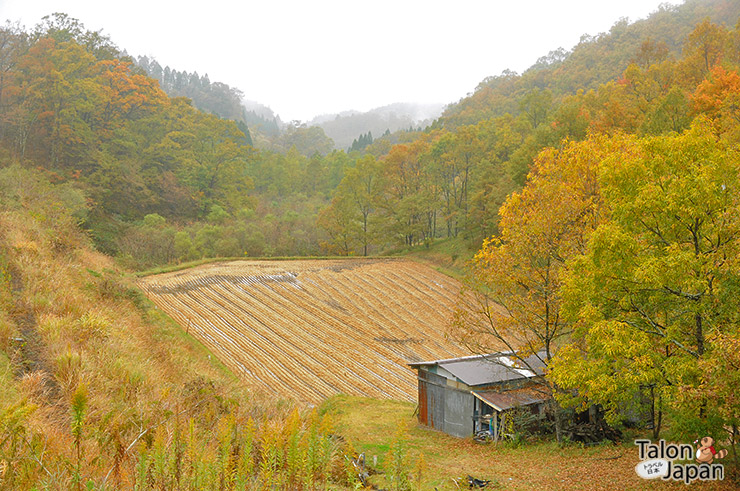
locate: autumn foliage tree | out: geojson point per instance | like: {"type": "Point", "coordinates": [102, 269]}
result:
{"type": "Point", "coordinates": [512, 300]}
{"type": "Point", "coordinates": [653, 299]}
{"type": "Point", "coordinates": [718, 98]}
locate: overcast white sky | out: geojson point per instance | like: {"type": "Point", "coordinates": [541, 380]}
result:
{"type": "Point", "coordinates": [307, 57]}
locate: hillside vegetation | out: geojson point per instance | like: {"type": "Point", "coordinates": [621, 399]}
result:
{"type": "Point", "coordinates": [165, 182]}
{"type": "Point", "coordinates": [594, 61]}
{"type": "Point", "coordinates": [600, 189]}
{"type": "Point", "coordinates": [100, 390]}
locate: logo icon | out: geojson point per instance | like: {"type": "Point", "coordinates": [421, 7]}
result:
{"type": "Point", "coordinates": [706, 453]}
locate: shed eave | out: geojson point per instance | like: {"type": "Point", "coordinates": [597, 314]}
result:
{"type": "Point", "coordinates": [494, 406]}
{"type": "Point", "coordinates": [503, 401]}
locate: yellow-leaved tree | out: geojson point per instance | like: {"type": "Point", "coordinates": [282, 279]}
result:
{"type": "Point", "coordinates": [512, 298]}
{"type": "Point", "coordinates": [654, 300]}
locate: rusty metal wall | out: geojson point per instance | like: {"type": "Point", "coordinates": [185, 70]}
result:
{"type": "Point", "coordinates": [423, 403]}
{"type": "Point", "coordinates": [432, 388]}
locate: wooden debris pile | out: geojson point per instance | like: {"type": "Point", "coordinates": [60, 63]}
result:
{"type": "Point", "coordinates": [592, 432]}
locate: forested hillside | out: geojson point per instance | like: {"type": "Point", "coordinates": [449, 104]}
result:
{"type": "Point", "coordinates": [595, 60]}
{"type": "Point", "coordinates": [162, 181]}
{"type": "Point", "coordinates": [165, 182]}
{"type": "Point", "coordinates": [74, 107]}
{"type": "Point", "coordinates": [600, 188]}
{"type": "Point", "coordinates": [644, 78]}
{"type": "Point", "coordinates": [216, 98]}
{"type": "Point", "coordinates": [339, 130]}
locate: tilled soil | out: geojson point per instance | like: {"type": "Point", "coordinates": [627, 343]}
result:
{"type": "Point", "coordinates": [307, 329]}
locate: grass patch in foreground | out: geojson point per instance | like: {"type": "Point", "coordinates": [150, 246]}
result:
{"type": "Point", "coordinates": [370, 425]}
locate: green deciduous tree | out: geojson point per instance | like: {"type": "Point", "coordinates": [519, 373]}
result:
{"type": "Point", "coordinates": [704, 48]}
{"type": "Point", "coordinates": [352, 217]}
{"type": "Point", "coordinates": [658, 285]}
{"type": "Point", "coordinates": [536, 105]}
{"type": "Point", "coordinates": [410, 197]}
{"type": "Point", "coordinates": [670, 112]}
{"type": "Point", "coordinates": [215, 161]}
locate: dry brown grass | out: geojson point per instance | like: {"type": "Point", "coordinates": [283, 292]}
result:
{"type": "Point", "coordinates": [84, 323]}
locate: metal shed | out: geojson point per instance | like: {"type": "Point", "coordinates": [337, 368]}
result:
{"type": "Point", "coordinates": [463, 395]}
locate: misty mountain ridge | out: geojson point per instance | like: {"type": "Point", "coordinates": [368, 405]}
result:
{"type": "Point", "coordinates": [260, 109]}
{"type": "Point", "coordinates": [266, 126]}
{"type": "Point", "coordinates": [416, 111]}
{"type": "Point", "coordinates": [346, 126]}
{"type": "Point", "coordinates": [593, 61]}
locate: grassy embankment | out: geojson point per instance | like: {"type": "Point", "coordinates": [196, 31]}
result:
{"type": "Point", "coordinates": [100, 390]}
{"type": "Point", "coordinates": [370, 425]}
{"type": "Point", "coordinates": [448, 256]}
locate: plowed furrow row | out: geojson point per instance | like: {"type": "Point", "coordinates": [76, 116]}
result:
{"type": "Point", "coordinates": [434, 287]}
{"type": "Point", "coordinates": [376, 287]}
{"type": "Point", "coordinates": [423, 287]}
{"type": "Point", "coordinates": [187, 314]}
{"type": "Point", "coordinates": [349, 328]}
{"type": "Point", "coordinates": [222, 333]}
{"type": "Point", "coordinates": [339, 334]}
{"type": "Point", "coordinates": [438, 309]}
{"type": "Point", "coordinates": [435, 313]}
{"type": "Point", "coordinates": [346, 354]}
{"type": "Point", "coordinates": [309, 329]}
{"type": "Point", "coordinates": [285, 368]}
{"type": "Point", "coordinates": [362, 308]}
{"type": "Point", "coordinates": [276, 381]}
{"type": "Point", "coordinates": [400, 324]}
{"type": "Point", "coordinates": [403, 311]}
{"type": "Point", "coordinates": [322, 357]}
{"type": "Point", "coordinates": [340, 321]}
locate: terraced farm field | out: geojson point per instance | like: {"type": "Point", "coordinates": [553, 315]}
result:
{"type": "Point", "coordinates": [308, 329]}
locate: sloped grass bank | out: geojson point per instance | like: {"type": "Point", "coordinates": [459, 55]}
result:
{"type": "Point", "coordinates": [372, 427]}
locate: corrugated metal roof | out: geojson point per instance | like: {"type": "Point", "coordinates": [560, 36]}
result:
{"type": "Point", "coordinates": [501, 401]}
{"type": "Point", "coordinates": [481, 372]}
{"type": "Point", "coordinates": [462, 358]}
{"type": "Point", "coordinates": [487, 369]}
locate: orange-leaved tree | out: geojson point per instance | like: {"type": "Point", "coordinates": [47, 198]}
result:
{"type": "Point", "coordinates": [718, 97]}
